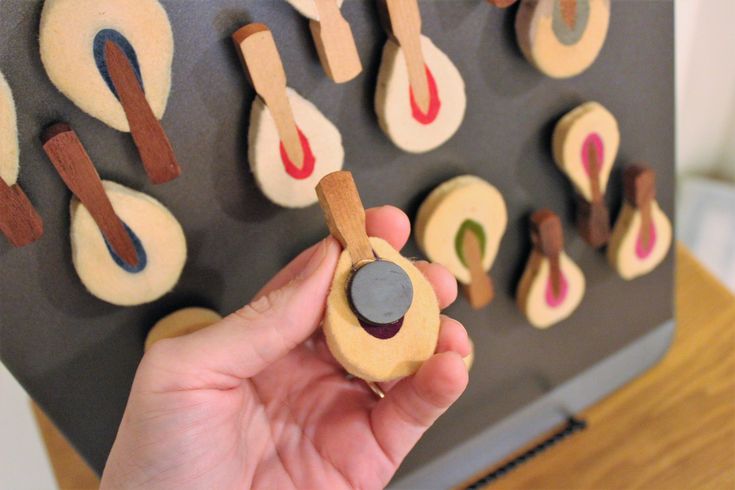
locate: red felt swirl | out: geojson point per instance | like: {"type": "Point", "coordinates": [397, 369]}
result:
{"type": "Point", "coordinates": [307, 168]}
{"type": "Point", "coordinates": [434, 102]}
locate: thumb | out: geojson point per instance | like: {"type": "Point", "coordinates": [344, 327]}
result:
{"type": "Point", "coordinates": [247, 341]}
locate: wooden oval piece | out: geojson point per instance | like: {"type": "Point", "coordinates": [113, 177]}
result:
{"type": "Point", "coordinates": [181, 322]}
{"type": "Point", "coordinates": [72, 38]}
{"type": "Point", "coordinates": [308, 8]}
{"type": "Point", "coordinates": [562, 38]}
{"type": "Point", "coordinates": [642, 234]}
{"type": "Point", "coordinates": [552, 285]}
{"type": "Point", "coordinates": [280, 180]}
{"type": "Point", "coordinates": [158, 239]}
{"type": "Point", "coordinates": [400, 117]}
{"type": "Point", "coordinates": [464, 203]}
{"type": "Point", "coordinates": [381, 359]}
{"type": "Point", "coordinates": [9, 150]}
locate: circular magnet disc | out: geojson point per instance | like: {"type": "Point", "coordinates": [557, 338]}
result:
{"type": "Point", "coordinates": [380, 292]}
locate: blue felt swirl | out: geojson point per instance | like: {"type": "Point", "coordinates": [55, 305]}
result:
{"type": "Point", "coordinates": [99, 56]}
{"type": "Point", "coordinates": [139, 252]}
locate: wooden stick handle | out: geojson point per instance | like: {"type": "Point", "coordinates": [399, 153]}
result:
{"type": "Point", "coordinates": [548, 239]}
{"type": "Point", "coordinates": [405, 24]}
{"type": "Point", "coordinates": [345, 215]}
{"type": "Point", "coordinates": [259, 55]}
{"type": "Point", "coordinates": [480, 291]}
{"type": "Point", "coordinates": [78, 173]}
{"type": "Point", "coordinates": [19, 220]}
{"type": "Point", "coordinates": [335, 43]}
{"type": "Point", "coordinates": [639, 187]}
{"type": "Point", "coordinates": [153, 145]}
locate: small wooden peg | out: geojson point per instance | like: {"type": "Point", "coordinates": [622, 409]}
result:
{"type": "Point", "coordinates": [480, 291]}
{"type": "Point", "coordinates": [259, 55]}
{"type": "Point", "coordinates": [78, 173]}
{"type": "Point", "coordinates": [345, 215]}
{"type": "Point", "coordinates": [405, 27]}
{"type": "Point", "coordinates": [335, 43]}
{"type": "Point", "coordinates": [548, 239]}
{"type": "Point", "coordinates": [19, 220]}
{"type": "Point", "coordinates": [593, 218]}
{"type": "Point", "coordinates": [639, 187]}
{"type": "Point", "coordinates": [153, 145]}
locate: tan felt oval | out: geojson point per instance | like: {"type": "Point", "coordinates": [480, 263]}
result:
{"type": "Point", "coordinates": [393, 102]}
{"type": "Point", "coordinates": [542, 48]}
{"type": "Point", "coordinates": [569, 137]}
{"type": "Point", "coordinates": [374, 359]}
{"type": "Point", "coordinates": [265, 156]}
{"type": "Point", "coordinates": [445, 210]}
{"type": "Point", "coordinates": [621, 252]}
{"type": "Point", "coordinates": [307, 8]}
{"type": "Point", "coordinates": [9, 151]}
{"type": "Point", "coordinates": [160, 235]}
{"type": "Point", "coordinates": [68, 29]}
{"type": "Point", "coordinates": [531, 295]}
{"type": "Point", "coordinates": [181, 322]}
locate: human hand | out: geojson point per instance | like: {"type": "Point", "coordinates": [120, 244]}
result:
{"type": "Point", "coordinates": [257, 401]}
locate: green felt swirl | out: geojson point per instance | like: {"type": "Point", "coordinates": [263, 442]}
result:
{"type": "Point", "coordinates": [473, 227]}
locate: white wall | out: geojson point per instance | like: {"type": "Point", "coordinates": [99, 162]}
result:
{"type": "Point", "coordinates": [705, 73]}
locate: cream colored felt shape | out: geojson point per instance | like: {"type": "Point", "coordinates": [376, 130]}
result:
{"type": "Point", "coordinates": [621, 251]}
{"type": "Point", "coordinates": [568, 144]}
{"type": "Point", "coordinates": [159, 233]}
{"type": "Point", "coordinates": [542, 47]}
{"type": "Point", "coordinates": [9, 151]}
{"type": "Point", "coordinates": [181, 322]}
{"type": "Point", "coordinates": [531, 296]}
{"type": "Point", "coordinates": [393, 102]}
{"type": "Point", "coordinates": [374, 359]}
{"type": "Point", "coordinates": [68, 29]}
{"type": "Point", "coordinates": [307, 8]}
{"type": "Point", "coordinates": [265, 155]}
{"type": "Point", "coordinates": [445, 210]}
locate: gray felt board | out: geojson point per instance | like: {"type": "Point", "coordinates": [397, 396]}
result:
{"type": "Point", "coordinates": [77, 355]}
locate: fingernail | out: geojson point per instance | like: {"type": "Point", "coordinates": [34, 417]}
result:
{"type": "Point", "coordinates": [316, 259]}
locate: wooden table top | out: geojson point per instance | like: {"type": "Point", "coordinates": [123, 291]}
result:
{"type": "Point", "coordinates": [672, 428]}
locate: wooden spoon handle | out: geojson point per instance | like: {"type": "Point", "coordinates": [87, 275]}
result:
{"type": "Point", "coordinates": [639, 187]}
{"type": "Point", "coordinates": [405, 21]}
{"type": "Point", "coordinates": [78, 173]}
{"type": "Point", "coordinates": [19, 220]}
{"type": "Point", "coordinates": [261, 60]}
{"type": "Point", "coordinates": [548, 239]}
{"type": "Point", "coordinates": [335, 43]}
{"type": "Point", "coordinates": [480, 290]}
{"type": "Point", "coordinates": [150, 138]}
{"type": "Point", "coordinates": [345, 215]}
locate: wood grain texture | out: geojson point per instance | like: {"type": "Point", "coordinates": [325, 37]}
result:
{"type": "Point", "coordinates": [260, 58]}
{"type": "Point", "coordinates": [345, 215]}
{"type": "Point", "coordinates": [154, 147]}
{"type": "Point", "coordinates": [76, 169]}
{"type": "Point", "coordinates": [673, 428]}
{"type": "Point", "coordinates": [335, 43]}
{"type": "Point", "coordinates": [19, 220]}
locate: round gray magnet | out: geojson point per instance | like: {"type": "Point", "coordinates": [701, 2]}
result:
{"type": "Point", "coordinates": [380, 292]}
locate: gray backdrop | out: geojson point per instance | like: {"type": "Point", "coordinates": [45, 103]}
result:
{"type": "Point", "coordinates": [77, 355]}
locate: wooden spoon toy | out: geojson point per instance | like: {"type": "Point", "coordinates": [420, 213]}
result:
{"type": "Point", "coordinates": [642, 234]}
{"type": "Point", "coordinates": [420, 98]}
{"type": "Point", "coordinates": [127, 248]}
{"type": "Point", "coordinates": [585, 145]}
{"type": "Point", "coordinates": [460, 225]}
{"type": "Point", "coordinates": [562, 38]}
{"type": "Point", "coordinates": [382, 318]}
{"type": "Point", "coordinates": [19, 221]}
{"type": "Point", "coordinates": [113, 58]}
{"type": "Point", "coordinates": [181, 322]}
{"type": "Point", "coordinates": [291, 144]}
{"type": "Point", "coordinates": [332, 37]}
{"type": "Point", "coordinates": [552, 285]}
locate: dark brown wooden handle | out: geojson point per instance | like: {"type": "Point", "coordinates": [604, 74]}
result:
{"type": "Point", "coordinates": [150, 138]}
{"type": "Point", "coordinates": [78, 173]}
{"type": "Point", "coordinates": [548, 239]}
{"type": "Point", "coordinates": [19, 220]}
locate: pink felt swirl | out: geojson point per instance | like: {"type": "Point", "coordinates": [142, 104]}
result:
{"type": "Point", "coordinates": [641, 252]}
{"type": "Point", "coordinates": [552, 300]}
{"type": "Point", "coordinates": [434, 102]}
{"type": "Point", "coordinates": [307, 167]}
{"type": "Point", "coordinates": [593, 139]}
